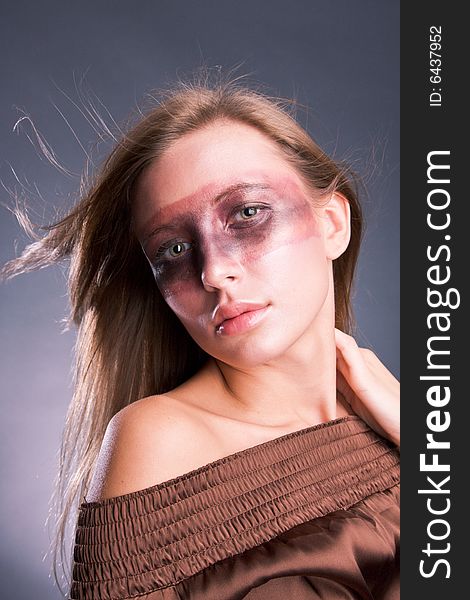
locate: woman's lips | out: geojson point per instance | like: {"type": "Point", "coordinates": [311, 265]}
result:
{"type": "Point", "coordinates": [242, 322]}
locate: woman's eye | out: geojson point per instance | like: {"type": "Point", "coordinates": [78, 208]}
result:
{"type": "Point", "coordinates": [173, 250]}
{"type": "Point", "coordinates": [247, 213]}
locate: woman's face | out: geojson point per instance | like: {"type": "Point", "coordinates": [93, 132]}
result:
{"type": "Point", "coordinates": [235, 245]}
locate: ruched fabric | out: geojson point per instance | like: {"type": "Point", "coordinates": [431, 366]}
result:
{"type": "Point", "coordinates": [312, 514]}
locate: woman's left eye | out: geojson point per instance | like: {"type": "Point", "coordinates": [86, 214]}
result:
{"type": "Point", "coordinates": [247, 213]}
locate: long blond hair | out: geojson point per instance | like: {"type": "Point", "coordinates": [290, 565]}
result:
{"type": "Point", "coordinates": [129, 343]}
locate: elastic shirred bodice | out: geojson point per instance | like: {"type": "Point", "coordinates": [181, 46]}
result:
{"type": "Point", "coordinates": [158, 541]}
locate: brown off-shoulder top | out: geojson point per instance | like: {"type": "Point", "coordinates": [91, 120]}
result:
{"type": "Point", "coordinates": [312, 514]}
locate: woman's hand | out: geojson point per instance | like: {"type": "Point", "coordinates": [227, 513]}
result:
{"type": "Point", "coordinates": [368, 386]}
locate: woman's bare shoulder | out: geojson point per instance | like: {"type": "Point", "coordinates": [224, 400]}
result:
{"type": "Point", "coordinates": [148, 442]}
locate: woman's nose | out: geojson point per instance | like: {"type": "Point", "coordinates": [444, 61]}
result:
{"type": "Point", "coordinates": [220, 267]}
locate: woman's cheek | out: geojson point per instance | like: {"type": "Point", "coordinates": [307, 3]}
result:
{"type": "Point", "coordinates": [285, 233]}
{"type": "Point", "coordinates": [184, 300]}
{"type": "Point", "coordinates": [175, 277]}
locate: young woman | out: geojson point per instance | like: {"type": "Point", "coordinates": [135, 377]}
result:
{"type": "Point", "coordinates": [231, 439]}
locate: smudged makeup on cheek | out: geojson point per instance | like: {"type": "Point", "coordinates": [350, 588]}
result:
{"type": "Point", "coordinates": [248, 223]}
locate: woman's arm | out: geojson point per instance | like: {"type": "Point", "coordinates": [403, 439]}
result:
{"type": "Point", "coordinates": [368, 386]}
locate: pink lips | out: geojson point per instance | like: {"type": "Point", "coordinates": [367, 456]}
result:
{"type": "Point", "coordinates": [238, 317]}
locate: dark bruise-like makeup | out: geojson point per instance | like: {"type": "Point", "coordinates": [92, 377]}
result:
{"type": "Point", "coordinates": [237, 226]}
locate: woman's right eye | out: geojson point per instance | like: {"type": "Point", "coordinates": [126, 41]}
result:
{"type": "Point", "coordinates": [173, 250]}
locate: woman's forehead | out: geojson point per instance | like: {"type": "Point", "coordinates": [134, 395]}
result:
{"type": "Point", "coordinates": [197, 159]}
{"type": "Point", "coordinates": [202, 165]}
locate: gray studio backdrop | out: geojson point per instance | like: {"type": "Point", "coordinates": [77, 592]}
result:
{"type": "Point", "coordinates": [340, 58]}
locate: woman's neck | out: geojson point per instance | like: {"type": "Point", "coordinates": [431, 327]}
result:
{"type": "Point", "coordinates": [298, 388]}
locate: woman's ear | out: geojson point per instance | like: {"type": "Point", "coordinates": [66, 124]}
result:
{"type": "Point", "coordinates": [337, 225]}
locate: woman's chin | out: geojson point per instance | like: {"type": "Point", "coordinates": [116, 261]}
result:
{"type": "Point", "coordinates": [253, 352]}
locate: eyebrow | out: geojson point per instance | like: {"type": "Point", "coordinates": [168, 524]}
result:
{"type": "Point", "coordinates": [235, 187]}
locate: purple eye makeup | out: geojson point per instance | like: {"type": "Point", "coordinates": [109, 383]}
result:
{"type": "Point", "coordinates": [238, 225]}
